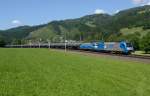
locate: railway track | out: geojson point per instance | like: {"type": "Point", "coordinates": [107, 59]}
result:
{"type": "Point", "coordinates": [112, 54]}
{"type": "Point", "coordinates": [140, 56]}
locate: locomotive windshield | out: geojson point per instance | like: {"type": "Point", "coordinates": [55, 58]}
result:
{"type": "Point", "coordinates": [129, 45]}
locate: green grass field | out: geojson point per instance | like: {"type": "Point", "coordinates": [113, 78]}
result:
{"type": "Point", "coordinates": [41, 72]}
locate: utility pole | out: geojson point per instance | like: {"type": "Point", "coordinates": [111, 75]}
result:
{"type": "Point", "coordinates": [40, 43]}
{"type": "Point", "coordinates": [30, 43]}
{"type": "Point", "coordinates": [80, 38]}
{"type": "Point", "coordinates": [65, 43]}
{"type": "Point", "coordinates": [49, 43]}
{"type": "Point", "coordinates": [102, 36]}
{"type": "Point", "coordinates": [21, 43]}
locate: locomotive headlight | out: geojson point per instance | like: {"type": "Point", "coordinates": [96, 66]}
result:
{"type": "Point", "coordinates": [95, 47]}
{"type": "Point", "coordinates": [129, 48]}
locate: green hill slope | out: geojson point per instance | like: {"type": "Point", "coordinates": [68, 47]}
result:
{"type": "Point", "coordinates": [81, 28]}
{"type": "Point", "coordinates": [18, 32]}
{"type": "Point", "coordinates": [97, 26]}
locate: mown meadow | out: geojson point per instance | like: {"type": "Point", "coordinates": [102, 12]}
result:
{"type": "Point", "coordinates": [44, 72]}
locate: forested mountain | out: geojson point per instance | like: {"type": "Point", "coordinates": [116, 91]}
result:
{"type": "Point", "coordinates": [88, 28]}
{"type": "Point", "coordinates": [18, 33]}
{"type": "Point", "coordinates": [95, 27]}
{"type": "Point", "coordinates": [85, 28]}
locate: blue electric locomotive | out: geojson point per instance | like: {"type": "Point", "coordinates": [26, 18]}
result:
{"type": "Point", "coordinates": [117, 47]}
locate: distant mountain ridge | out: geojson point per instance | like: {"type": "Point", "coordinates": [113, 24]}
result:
{"type": "Point", "coordinates": [18, 33]}
{"type": "Point", "coordinates": [87, 28]}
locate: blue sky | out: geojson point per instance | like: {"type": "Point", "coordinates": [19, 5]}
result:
{"type": "Point", "coordinates": [33, 12]}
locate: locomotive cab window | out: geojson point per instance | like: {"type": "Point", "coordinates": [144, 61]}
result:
{"type": "Point", "coordinates": [95, 44]}
{"type": "Point", "coordinates": [129, 45]}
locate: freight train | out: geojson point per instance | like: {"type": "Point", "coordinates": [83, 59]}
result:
{"type": "Point", "coordinates": [113, 47]}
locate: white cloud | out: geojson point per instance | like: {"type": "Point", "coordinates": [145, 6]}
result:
{"type": "Point", "coordinates": [99, 11]}
{"type": "Point", "coordinates": [138, 1]}
{"type": "Point", "coordinates": [16, 22]}
{"type": "Point", "coordinates": [148, 3]}
{"type": "Point", "coordinates": [117, 11]}
{"type": "Point", "coordinates": [141, 2]}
